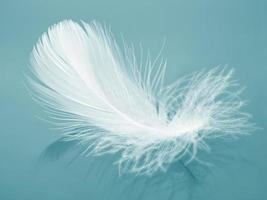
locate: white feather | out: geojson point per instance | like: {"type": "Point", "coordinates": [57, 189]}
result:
{"type": "Point", "coordinates": [103, 98]}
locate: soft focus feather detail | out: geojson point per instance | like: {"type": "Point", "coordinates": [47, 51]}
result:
{"type": "Point", "coordinates": [105, 100]}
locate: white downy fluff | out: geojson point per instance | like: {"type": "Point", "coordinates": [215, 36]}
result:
{"type": "Point", "coordinates": [106, 100]}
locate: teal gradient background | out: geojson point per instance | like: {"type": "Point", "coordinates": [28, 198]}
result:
{"type": "Point", "coordinates": [198, 34]}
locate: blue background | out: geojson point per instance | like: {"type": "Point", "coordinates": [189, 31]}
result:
{"type": "Point", "coordinates": [198, 34]}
